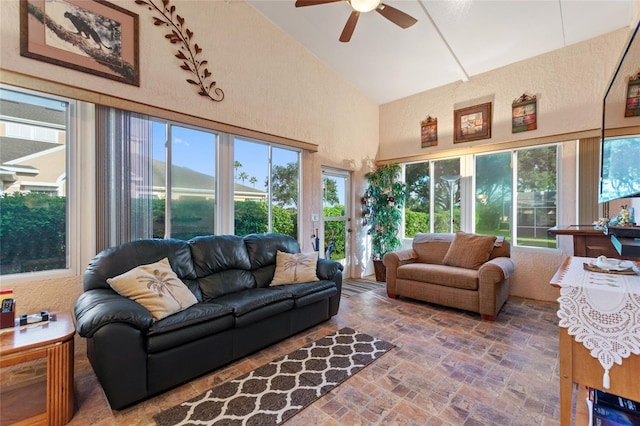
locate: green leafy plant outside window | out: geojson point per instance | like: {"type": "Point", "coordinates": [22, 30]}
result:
{"type": "Point", "coordinates": [382, 208]}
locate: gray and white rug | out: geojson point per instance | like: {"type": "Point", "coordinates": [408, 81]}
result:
{"type": "Point", "coordinates": [273, 393]}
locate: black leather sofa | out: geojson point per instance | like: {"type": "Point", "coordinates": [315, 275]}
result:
{"type": "Point", "coordinates": [135, 357]}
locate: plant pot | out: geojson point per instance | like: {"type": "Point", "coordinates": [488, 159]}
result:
{"type": "Point", "coordinates": [380, 270]}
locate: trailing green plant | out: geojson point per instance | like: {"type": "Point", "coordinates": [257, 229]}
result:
{"type": "Point", "coordinates": [382, 204]}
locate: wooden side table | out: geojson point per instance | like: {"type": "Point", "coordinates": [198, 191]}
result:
{"type": "Point", "coordinates": [578, 366]}
{"type": "Point", "coordinates": [52, 340]}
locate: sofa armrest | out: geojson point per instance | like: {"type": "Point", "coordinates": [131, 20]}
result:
{"type": "Point", "coordinates": [496, 270]}
{"type": "Point", "coordinates": [99, 307]}
{"type": "Point", "coordinates": [394, 260]}
{"type": "Point", "coordinates": [327, 269]}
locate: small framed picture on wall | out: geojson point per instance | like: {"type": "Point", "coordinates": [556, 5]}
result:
{"type": "Point", "coordinates": [429, 132]}
{"type": "Point", "coordinates": [632, 108]}
{"type": "Point", "coordinates": [472, 123]}
{"type": "Point", "coordinates": [524, 114]}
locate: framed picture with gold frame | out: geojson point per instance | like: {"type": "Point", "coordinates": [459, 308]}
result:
{"type": "Point", "coordinates": [95, 37]}
{"type": "Point", "coordinates": [472, 123]}
{"type": "Point", "coordinates": [429, 132]}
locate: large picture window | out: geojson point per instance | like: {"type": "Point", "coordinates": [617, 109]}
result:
{"type": "Point", "coordinates": [266, 188]}
{"type": "Point", "coordinates": [34, 209]}
{"type": "Point", "coordinates": [515, 195]}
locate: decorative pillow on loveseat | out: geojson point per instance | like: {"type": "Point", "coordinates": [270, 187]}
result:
{"type": "Point", "coordinates": [294, 268]}
{"type": "Point", "coordinates": [469, 251]}
{"type": "Point", "coordinates": [156, 287]}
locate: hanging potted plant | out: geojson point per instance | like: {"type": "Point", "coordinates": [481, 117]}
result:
{"type": "Point", "coordinates": [382, 209]}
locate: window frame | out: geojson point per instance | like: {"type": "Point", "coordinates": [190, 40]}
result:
{"type": "Point", "coordinates": [468, 189]}
{"type": "Point", "coordinates": [79, 181]}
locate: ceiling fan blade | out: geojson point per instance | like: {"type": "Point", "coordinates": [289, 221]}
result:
{"type": "Point", "coordinates": [396, 16]}
{"type": "Point", "coordinates": [349, 27]}
{"type": "Point", "coordinates": [302, 3]}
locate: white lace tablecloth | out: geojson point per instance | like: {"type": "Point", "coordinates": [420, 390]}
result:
{"type": "Point", "coordinates": [602, 311]}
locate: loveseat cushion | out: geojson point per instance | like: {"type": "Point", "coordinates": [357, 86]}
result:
{"type": "Point", "coordinates": [431, 248]}
{"type": "Point", "coordinates": [469, 250]}
{"type": "Point", "coordinates": [450, 276]}
{"type": "Point", "coordinates": [195, 322]}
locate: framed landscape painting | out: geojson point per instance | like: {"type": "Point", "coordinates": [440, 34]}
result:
{"type": "Point", "coordinates": [95, 37]}
{"type": "Point", "coordinates": [472, 123]}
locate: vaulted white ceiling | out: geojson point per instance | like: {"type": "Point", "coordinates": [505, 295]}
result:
{"type": "Point", "coordinates": [453, 39]}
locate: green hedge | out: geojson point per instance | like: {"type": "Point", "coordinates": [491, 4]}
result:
{"type": "Point", "coordinates": [33, 233]}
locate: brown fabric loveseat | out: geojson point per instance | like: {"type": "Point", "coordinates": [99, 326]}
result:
{"type": "Point", "coordinates": [464, 271]}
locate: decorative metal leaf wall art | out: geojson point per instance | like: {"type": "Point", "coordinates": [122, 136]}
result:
{"type": "Point", "coordinates": [188, 52]}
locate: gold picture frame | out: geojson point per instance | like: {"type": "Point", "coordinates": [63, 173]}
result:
{"type": "Point", "coordinates": [95, 37]}
{"type": "Point", "coordinates": [472, 123]}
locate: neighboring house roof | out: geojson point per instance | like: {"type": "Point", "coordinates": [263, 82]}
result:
{"type": "Point", "coordinates": [20, 112]}
{"type": "Point", "coordinates": [184, 177]}
{"type": "Point", "coordinates": [15, 148]}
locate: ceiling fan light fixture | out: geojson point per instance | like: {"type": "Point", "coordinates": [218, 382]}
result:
{"type": "Point", "coordinates": [364, 5]}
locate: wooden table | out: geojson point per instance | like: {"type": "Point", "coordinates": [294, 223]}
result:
{"type": "Point", "coordinates": [52, 340]}
{"type": "Point", "coordinates": [578, 366]}
{"type": "Point", "coordinates": [587, 241]}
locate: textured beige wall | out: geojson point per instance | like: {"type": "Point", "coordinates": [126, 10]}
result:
{"type": "Point", "coordinates": [271, 84]}
{"type": "Point", "coordinates": [569, 84]}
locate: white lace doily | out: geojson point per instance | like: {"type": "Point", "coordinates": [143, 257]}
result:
{"type": "Point", "coordinates": [602, 311]}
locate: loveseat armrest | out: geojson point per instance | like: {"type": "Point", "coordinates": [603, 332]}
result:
{"type": "Point", "coordinates": [496, 270]}
{"type": "Point", "coordinates": [327, 269]}
{"type": "Point", "coordinates": [394, 260]}
{"type": "Point", "coordinates": [99, 307]}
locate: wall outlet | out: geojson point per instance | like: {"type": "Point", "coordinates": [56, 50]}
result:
{"type": "Point", "coordinates": [315, 217]}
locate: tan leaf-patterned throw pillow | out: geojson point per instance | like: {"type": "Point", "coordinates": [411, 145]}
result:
{"type": "Point", "coordinates": [156, 287]}
{"type": "Point", "coordinates": [469, 251]}
{"type": "Point", "coordinates": [295, 268]}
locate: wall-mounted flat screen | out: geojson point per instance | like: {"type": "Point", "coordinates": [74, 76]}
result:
{"type": "Point", "coordinates": [620, 168]}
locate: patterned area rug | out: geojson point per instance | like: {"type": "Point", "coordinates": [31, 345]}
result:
{"type": "Point", "coordinates": [273, 393]}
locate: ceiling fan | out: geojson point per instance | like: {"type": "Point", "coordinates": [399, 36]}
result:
{"type": "Point", "coordinates": [396, 16]}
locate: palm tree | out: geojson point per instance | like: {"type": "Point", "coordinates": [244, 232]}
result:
{"type": "Point", "coordinates": [253, 180]}
{"type": "Point", "coordinates": [159, 284]}
{"type": "Point", "coordinates": [236, 166]}
{"type": "Point", "coordinates": [293, 262]}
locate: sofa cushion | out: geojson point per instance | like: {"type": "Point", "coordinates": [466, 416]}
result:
{"type": "Point", "coordinates": [246, 301]}
{"type": "Point", "coordinates": [250, 306]}
{"type": "Point", "coordinates": [195, 322]}
{"type": "Point", "coordinates": [156, 287]}
{"type": "Point", "coordinates": [262, 249]}
{"type": "Point", "coordinates": [216, 253]}
{"type": "Point", "coordinates": [469, 251]}
{"type": "Point", "coordinates": [225, 282]}
{"type": "Point", "coordinates": [450, 276]}
{"type": "Point", "coordinates": [294, 268]}
{"type": "Point", "coordinates": [431, 248]}
{"type": "Point", "coordinates": [307, 293]}
{"type": "Point", "coordinates": [120, 259]}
